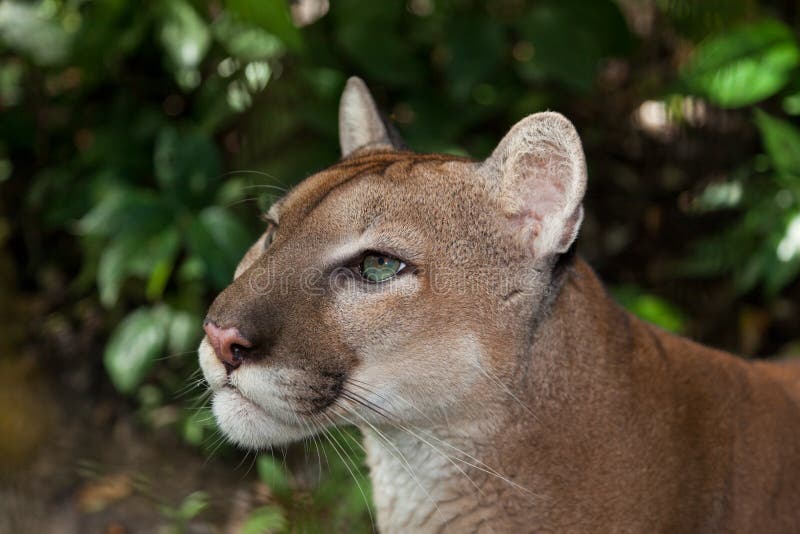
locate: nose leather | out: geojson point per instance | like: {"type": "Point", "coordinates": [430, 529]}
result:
{"type": "Point", "coordinates": [229, 344]}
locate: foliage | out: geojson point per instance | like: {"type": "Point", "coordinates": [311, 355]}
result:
{"type": "Point", "coordinates": [190, 507]}
{"type": "Point", "coordinates": [339, 503]}
{"type": "Point", "coordinates": [735, 67]}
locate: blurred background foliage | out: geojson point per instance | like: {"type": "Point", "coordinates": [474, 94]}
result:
{"type": "Point", "coordinates": [140, 140]}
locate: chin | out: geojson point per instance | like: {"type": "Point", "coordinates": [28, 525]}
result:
{"type": "Point", "coordinates": [248, 425]}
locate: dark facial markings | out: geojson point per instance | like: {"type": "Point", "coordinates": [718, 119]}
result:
{"type": "Point", "coordinates": [326, 391]}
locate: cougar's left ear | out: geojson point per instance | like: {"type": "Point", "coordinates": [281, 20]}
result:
{"type": "Point", "coordinates": [360, 122]}
{"type": "Point", "coordinates": [538, 172]}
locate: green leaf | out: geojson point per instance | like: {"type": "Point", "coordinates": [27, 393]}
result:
{"type": "Point", "coordinates": [193, 504]}
{"type": "Point", "coordinates": [184, 332]}
{"type": "Point", "coordinates": [142, 251]}
{"type": "Point", "coordinates": [273, 475]}
{"type": "Point", "coordinates": [134, 345]}
{"type": "Point", "coordinates": [30, 29]}
{"type": "Point", "coordinates": [220, 240]}
{"type": "Point", "coordinates": [121, 209]}
{"type": "Point", "coordinates": [186, 165]}
{"type": "Point", "coordinates": [744, 65]}
{"type": "Point", "coordinates": [264, 520]}
{"type": "Point", "coordinates": [272, 15]}
{"type": "Point", "coordinates": [781, 141]}
{"type": "Point", "coordinates": [198, 425]}
{"type": "Point", "coordinates": [247, 42]}
{"type": "Point", "coordinates": [650, 308]}
{"type": "Point", "coordinates": [184, 34]}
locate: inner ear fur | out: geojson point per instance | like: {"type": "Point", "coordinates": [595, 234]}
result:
{"type": "Point", "coordinates": [360, 123]}
{"type": "Point", "coordinates": [539, 174]}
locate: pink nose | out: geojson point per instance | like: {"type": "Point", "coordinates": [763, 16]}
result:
{"type": "Point", "coordinates": [229, 344]}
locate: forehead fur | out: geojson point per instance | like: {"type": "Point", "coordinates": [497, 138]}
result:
{"type": "Point", "coordinates": [393, 166]}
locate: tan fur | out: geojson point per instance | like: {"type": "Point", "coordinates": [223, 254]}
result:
{"type": "Point", "coordinates": [507, 391]}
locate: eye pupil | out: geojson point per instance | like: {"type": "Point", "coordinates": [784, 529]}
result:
{"type": "Point", "coordinates": [379, 267]}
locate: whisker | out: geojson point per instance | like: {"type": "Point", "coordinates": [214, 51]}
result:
{"type": "Point", "coordinates": [475, 463]}
{"type": "Point", "coordinates": [251, 171]}
{"type": "Point", "coordinates": [174, 355]}
{"type": "Point", "coordinates": [332, 441]}
{"type": "Point", "coordinates": [397, 455]}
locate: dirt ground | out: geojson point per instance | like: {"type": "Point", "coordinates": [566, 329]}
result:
{"type": "Point", "coordinates": [69, 464]}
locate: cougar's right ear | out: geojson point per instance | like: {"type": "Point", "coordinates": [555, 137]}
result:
{"type": "Point", "coordinates": [360, 122]}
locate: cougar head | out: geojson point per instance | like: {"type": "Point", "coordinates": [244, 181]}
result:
{"type": "Point", "coordinates": [393, 285]}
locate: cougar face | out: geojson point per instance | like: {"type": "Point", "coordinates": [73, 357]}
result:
{"type": "Point", "coordinates": [391, 282]}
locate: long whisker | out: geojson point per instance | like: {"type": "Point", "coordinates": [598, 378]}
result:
{"type": "Point", "coordinates": [252, 171]}
{"type": "Point", "coordinates": [175, 355]}
{"type": "Point", "coordinates": [493, 378]}
{"type": "Point", "coordinates": [332, 441]}
{"type": "Point", "coordinates": [365, 387]}
{"type": "Point", "coordinates": [474, 463]}
{"type": "Point", "coordinates": [398, 455]}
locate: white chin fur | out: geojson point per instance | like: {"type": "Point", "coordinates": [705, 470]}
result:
{"type": "Point", "coordinates": [247, 422]}
{"type": "Point", "coordinates": [248, 425]}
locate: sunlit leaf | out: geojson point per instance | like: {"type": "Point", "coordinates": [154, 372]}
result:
{"type": "Point", "coordinates": [247, 42]}
{"type": "Point", "coordinates": [133, 347]}
{"type": "Point", "coordinates": [184, 332]}
{"type": "Point", "coordinates": [193, 504]}
{"type": "Point", "coordinates": [781, 141]}
{"type": "Point", "coordinates": [650, 308]}
{"type": "Point", "coordinates": [184, 34]}
{"type": "Point", "coordinates": [26, 27]}
{"type": "Point", "coordinates": [744, 65]}
{"type": "Point", "coordinates": [272, 15]}
{"type": "Point", "coordinates": [265, 520]}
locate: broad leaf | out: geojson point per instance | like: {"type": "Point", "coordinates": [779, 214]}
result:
{"type": "Point", "coordinates": [141, 252]}
{"type": "Point", "coordinates": [745, 65]}
{"type": "Point", "coordinates": [272, 15]}
{"type": "Point", "coordinates": [184, 332]}
{"type": "Point", "coordinates": [782, 143]}
{"type": "Point", "coordinates": [184, 34]}
{"type": "Point", "coordinates": [220, 240]}
{"type": "Point", "coordinates": [32, 29]}
{"type": "Point", "coordinates": [265, 520]}
{"type": "Point", "coordinates": [134, 345]}
{"type": "Point", "coordinates": [123, 208]}
{"type": "Point", "coordinates": [245, 41]}
{"type": "Point", "coordinates": [650, 308]}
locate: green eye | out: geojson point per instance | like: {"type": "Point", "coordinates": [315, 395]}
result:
{"type": "Point", "coordinates": [379, 268]}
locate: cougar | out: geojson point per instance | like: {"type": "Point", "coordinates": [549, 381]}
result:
{"type": "Point", "coordinates": [436, 303]}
